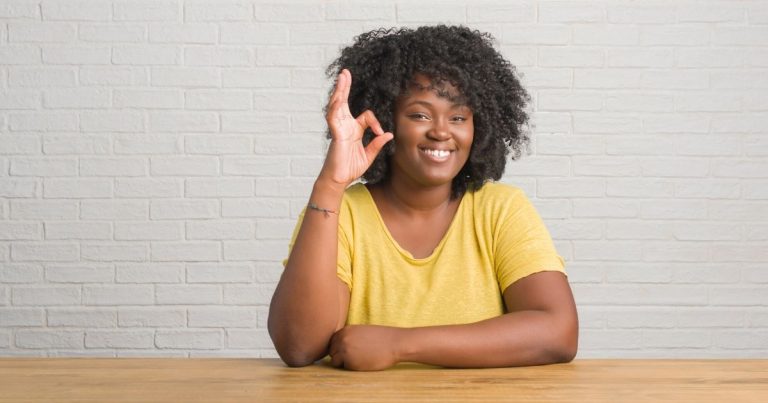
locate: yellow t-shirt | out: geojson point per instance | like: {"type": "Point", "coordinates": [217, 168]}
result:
{"type": "Point", "coordinates": [495, 239]}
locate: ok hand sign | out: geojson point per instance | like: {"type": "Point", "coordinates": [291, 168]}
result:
{"type": "Point", "coordinates": [347, 159]}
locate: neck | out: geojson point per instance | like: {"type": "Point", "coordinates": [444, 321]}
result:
{"type": "Point", "coordinates": [416, 199]}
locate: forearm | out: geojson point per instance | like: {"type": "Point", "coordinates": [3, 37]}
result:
{"type": "Point", "coordinates": [304, 309]}
{"type": "Point", "coordinates": [514, 339]}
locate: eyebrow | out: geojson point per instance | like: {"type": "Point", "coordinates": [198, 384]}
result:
{"type": "Point", "coordinates": [427, 103]}
{"type": "Point", "coordinates": [441, 92]}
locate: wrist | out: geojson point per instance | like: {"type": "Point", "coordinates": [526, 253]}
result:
{"type": "Point", "coordinates": [405, 351]}
{"type": "Point", "coordinates": [326, 195]}
{"type": "Point", "coordinates": [327, 185]}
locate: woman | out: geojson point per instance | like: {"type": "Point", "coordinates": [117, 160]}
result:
{"type": "Point", "coordinates": [427, 260]}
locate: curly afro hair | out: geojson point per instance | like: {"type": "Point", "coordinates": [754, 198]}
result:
{"type": "Point", "coordinates": [383, 63]}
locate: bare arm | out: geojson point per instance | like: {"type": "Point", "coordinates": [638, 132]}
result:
{"type": "Point", "coordinates": [540, 328]}
{"type": "Point", "coordinates": [310, 302]}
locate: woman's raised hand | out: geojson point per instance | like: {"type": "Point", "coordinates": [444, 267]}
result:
{"type": "Point", "coordinates": [347, 159]}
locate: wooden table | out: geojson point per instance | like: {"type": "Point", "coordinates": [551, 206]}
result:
{"type": "Point", "coordinates": [250, 380]}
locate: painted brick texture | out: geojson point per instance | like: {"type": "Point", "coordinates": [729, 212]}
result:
{"type": "Point", "coordinates": [155, 154]}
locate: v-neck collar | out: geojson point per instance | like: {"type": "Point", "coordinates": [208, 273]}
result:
{"type": "Point", "coordinates": [405, 253]}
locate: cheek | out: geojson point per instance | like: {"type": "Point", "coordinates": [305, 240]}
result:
{"type": "Point", "coordinates": [468, 134]}
{"type": "Point", "coordinates": [468, 137]}
{"type": "Point", "coordinates": [406, 132]}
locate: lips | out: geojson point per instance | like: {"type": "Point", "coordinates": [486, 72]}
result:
{"type": "Point", "coordinates": [436, 154]}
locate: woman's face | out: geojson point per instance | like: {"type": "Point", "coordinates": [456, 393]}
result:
{"type": "Point", "coordinates": [433, 133]}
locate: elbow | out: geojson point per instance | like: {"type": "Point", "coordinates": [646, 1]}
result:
{"type": "Point", "coordinates": [296, 359]}
{"type": "Point", "coordinates": [293, 355]}
{"type": "Point", "coordinates": [292, 352]}
{"type": "Point", "coordinates": [560, 351]}
{"type": "Point", "coordinates": [562, 342]}
{"type": "Point", "coordinates": [566, 345]}
{"type": "Point", "coordinates": [566, 352]}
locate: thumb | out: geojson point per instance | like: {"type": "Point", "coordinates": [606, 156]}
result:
{"type": "Point", "coordinates": [375, 146]}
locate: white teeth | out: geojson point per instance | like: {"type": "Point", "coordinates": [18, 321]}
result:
{"type": "Point", "coordinates": [438, 153]}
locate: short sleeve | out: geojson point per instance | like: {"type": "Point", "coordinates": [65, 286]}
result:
{"type": "Point", "coordinates": [523, 245]}
{"type": "Point", "coordinates": [343, 261]}
{"type": "Point", "coordinates": [294, 235]}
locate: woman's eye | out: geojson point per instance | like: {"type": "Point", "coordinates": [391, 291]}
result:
{"type": "Point", "coordinates": [459, 119]}
{"type": "Point", "coordinates": [418, 116]}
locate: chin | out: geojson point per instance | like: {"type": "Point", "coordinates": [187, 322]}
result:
{"type": "Point", "coordinates": [436, 181]}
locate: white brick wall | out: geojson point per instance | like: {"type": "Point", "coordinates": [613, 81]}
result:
{"type": "Point", "coordinates": [154, 156]}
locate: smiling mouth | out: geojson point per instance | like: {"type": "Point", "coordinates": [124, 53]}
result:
{"type": "Point", "coordinates": [436, 154]}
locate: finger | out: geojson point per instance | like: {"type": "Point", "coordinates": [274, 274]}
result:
{"type": "Point", "coordinates": [335, 96]}
{"type": "Point", "coordinates": [337, 360]}
{"type": "Point", "coordinates": [339, 88]}
{"type": "Point", "coordinates": [375, 146]}
{"type": "Point", "coordinates": [340, 96]}
{"type": "Point", "coordinates": [332, 111]}
{"type": "Point", "coordinates": [337, 357]}
{"type": "Point", "coordinates": [338, 115]}
{"type": "Point", "coordinates": [368, 119]}
{"type": "Point", "coordinates": [345, 79]}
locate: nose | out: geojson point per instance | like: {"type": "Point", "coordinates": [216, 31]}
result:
{"type": "Point", "coordinates": [439, 130]}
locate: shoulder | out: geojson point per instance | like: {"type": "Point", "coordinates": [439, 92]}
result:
{"type": "Point", "coordinates": [355, 194]}
{"type": "Point", "coordinates": [495, 203]}
{"type": "Point", "coordinates": [498, 195]}
{"type": "Point", "coordinates": [356, 204]}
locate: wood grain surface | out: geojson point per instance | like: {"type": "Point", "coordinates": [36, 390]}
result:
{"type": "Point", "coordinates": [265, 380]}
